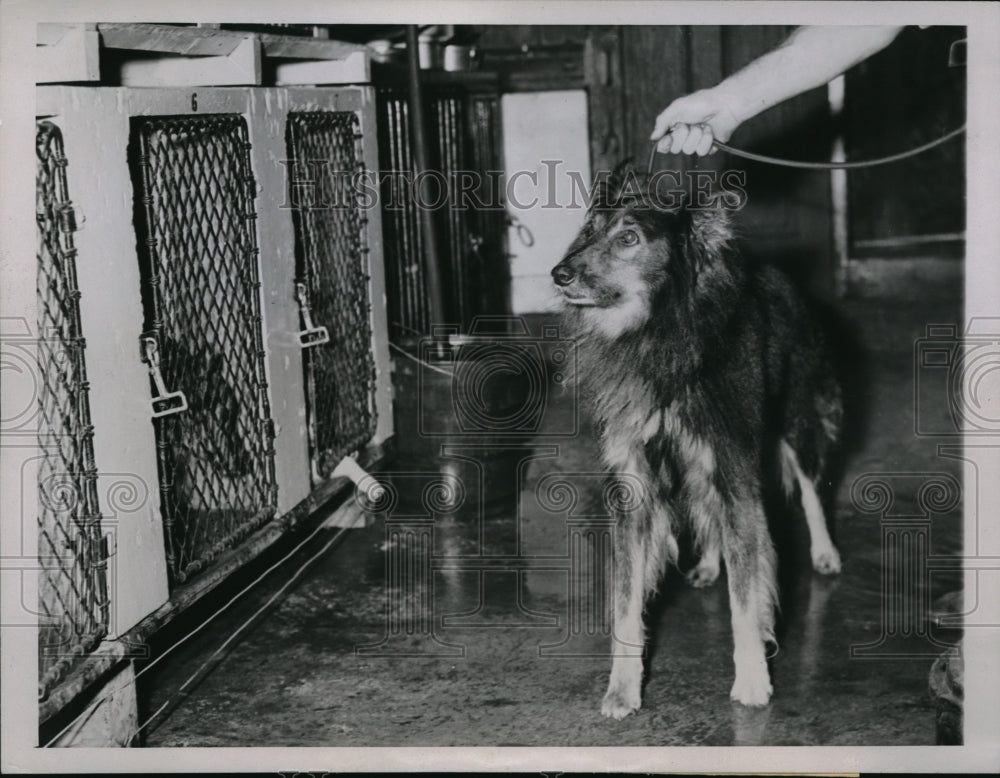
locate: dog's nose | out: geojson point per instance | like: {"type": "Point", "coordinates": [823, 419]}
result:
{"type": "Point", "coordinates": [562, 274]}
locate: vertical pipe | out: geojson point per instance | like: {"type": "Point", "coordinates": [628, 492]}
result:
{"type": "Point", "coordinates": [838, 189]}
{"type": "Point", "coordinates": [418, 138]}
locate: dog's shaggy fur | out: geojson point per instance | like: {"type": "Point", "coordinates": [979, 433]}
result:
{"type": "Point", "coordinates": [705, 379]}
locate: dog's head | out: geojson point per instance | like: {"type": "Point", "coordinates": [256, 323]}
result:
{"type": "Point", "coordinates": [633, 252]}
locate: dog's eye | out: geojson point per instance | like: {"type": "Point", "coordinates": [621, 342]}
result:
{"type": "Point", "coordinates": [628, 238]}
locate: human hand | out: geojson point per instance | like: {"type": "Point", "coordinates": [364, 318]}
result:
{"type": "Point", "coordinates": [691, 124]}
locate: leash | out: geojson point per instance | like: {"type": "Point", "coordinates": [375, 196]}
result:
{"type": "Point", "coordinates": [822, 165]}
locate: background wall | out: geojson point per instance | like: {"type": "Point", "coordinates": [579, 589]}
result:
{"type": "Point", "coordinates": [900, 98]}
{"type": "Point", "coordinates": [540, 128]}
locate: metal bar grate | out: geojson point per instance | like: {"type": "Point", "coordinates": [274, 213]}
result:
{"type": "Point", "coordinates": [72, 552]}
{"type": "Point", "coordinates": [332, 264]}
{"type": "Point", "coordinates": [465, 148]}
{"type": "Point", "coordinates": [196, 229]}
{"type": "Point", "coordinates": [406, 290]}
{"type": "Point", "coordinates": [452, 161]}
{"type": "Point", "coordinates": [489, 263]}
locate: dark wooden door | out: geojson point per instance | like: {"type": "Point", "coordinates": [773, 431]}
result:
{"type": "Point", "coordinates": [900, 98]}
{"type": "Point", "coordinates": [787, 216]}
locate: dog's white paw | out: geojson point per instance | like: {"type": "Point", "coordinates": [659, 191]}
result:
{"type": "Point", "coordinates": [826, 560]}
{"type": "Point", "coordinates": [619, 703]}
{"type": "Point", "coordinates": [705, 574]}
{"type": "Point", "coordinates": [751, 689]}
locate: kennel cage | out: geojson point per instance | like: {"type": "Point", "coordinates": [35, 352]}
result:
{"type": "Point", "coordinates": [72, 550]}
{"type": "Point", "coordinates": [465, 149]}
{"type": "Point", "coordinates": [326, 160]}
{"type": "Point", "coordinates": [208, 394]}
{"type": "Point", "coordinates": [198, 259]}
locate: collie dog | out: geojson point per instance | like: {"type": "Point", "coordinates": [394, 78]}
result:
{"type": "Point", "coordinates": [706, 379]}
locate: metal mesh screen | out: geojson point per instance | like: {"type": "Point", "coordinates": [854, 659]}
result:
{"type": "Point", "coordinates": [332, 264]}
{"type": "Point", "coordinates": [72, 584]}
{"type": "Point", "coordinates": [198, 252]}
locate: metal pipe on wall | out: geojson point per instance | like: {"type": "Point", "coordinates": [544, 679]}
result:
{"type": "Point", "coordinates": [418, 138]}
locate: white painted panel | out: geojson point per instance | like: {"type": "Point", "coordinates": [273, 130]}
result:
{"type": "Point", "coordinates": [376, 271]}
{"type": "Point", "coordinates": [276, 238]}
{"type": "Point", "coordinates": [546, 147]}
{"type": "Point", "coordinates": [96, 133]}
{"type": "Point", "coordinates": [72, 55]}
{"type": "Point", "coordinates": [352, 69]}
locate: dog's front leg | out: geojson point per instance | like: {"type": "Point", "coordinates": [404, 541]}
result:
{"type": "Point", "coordinates": [750, 560]}
{"type": "Point", "coordinates": [624, 693]}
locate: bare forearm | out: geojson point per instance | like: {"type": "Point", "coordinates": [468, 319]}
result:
{"type": "Point", "coordinates": [810, 57]}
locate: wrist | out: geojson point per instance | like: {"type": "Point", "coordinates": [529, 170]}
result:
{"type": "Point", "coordinates": [729, 108]}
{"type": "Point", "coordinates": [738, 103]}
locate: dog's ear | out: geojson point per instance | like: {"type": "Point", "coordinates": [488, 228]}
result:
{"type": "Point", "coordinates": [621, 186]}
{"type": "Point", "coordinates": [711, 233]}
{"type": "Point", "coordinates": [621, 171]}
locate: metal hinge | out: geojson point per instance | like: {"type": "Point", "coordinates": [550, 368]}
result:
{"type": "Point", "coordinates": [70, 219]}
{"type": "Point", "coordinates": [165, 403]}
{"type": "Point", "coordinates": [311, 335]}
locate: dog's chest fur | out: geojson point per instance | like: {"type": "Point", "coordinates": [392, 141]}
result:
{"type": "Point", "coordinates": [641, 437]}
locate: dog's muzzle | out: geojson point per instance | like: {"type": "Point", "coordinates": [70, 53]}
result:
{"type": "Point", "coordinates": [563, 275]}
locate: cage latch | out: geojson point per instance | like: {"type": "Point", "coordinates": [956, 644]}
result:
{"type": "Point", "coordinates": [311, 335]}
{"type": "Point", "coordinates": [165, 403]}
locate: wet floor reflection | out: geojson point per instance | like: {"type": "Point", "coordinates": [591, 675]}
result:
{"type": "Point", "coordinates": [479, 603]}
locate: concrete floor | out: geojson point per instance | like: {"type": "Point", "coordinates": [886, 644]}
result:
{"type": "Point", "coordinates": [474, 674]}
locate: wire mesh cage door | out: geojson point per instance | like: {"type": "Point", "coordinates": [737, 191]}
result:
{"type": "Point", "coordinates": [72, 551]}
{"type": "Point", "coordinates": [332, 272]}
{"type": "Point", "coordinates": [198, 257]}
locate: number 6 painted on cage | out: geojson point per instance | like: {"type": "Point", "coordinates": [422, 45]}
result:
{"type": "Point", "coordinates": [311, 335]}
{"type": "Point", "coordinates": [168, 402]}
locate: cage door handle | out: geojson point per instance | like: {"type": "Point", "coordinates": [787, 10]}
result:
{"type": "Point", "coordinates": [311, 335]}
{"type": "Point", "coordinates": [165, 403]}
